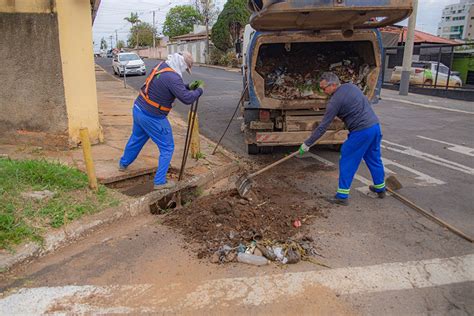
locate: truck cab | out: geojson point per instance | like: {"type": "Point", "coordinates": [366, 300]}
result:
{"type": "Point", "coordinates": [289, 44]}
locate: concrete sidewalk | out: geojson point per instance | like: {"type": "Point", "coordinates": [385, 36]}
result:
{"type": "Point", "coordinates": [115, 111]}
{"type": "Point", "coordinates": [429, 101]}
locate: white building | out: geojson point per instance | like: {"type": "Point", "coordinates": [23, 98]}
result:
{"type": "Point", "coordinates": [457, 21]}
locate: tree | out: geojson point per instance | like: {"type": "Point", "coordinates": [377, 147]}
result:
{"type": "Point", "coordinates": [207, 10]}
{"type": "Point", "coordinates": [230, 22]}
{"type": "Point", "coordinates": [180, 20]}
{"type": "Point", "coordinates": [146, 31]}
{"type": "Point", "coordinates": [134, 20]}
{"type": "Point", "coordinates": [120, 44]}
{"type": "Point", "coordinates": [103, 43]}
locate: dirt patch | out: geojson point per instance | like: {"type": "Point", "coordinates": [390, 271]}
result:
{"type": "Point", "coordinates": [277, 214]}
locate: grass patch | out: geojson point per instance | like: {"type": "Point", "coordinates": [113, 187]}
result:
{"type": "Point", "coordinates": [23, 218]}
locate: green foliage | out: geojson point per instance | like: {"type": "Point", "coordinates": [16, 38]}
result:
{"type": "Point", "coordinates": [230, 22]}
{"type": "Point", "coordinates": [103, 43]}
{"type": "Point", "coordinates": [23, 218]}
{"type": "Point", "coordinates": [144, 32]}
{"type": "Point", "coordinates": [133, 18]}
{"type": "Point", "coordinates": [215, 56]}
{"type": "Point", "coordinates": [180, 20]}
{"type": "Point", "coordinates": [229, 59]}
{"type": "Point", "coordinates": [218, 57]}
{"type": "Point", "coordinates": [120, 44]}
{"type": "Point", "coordinates": [40, 175]}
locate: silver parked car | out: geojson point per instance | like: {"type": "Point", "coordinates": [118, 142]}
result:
{"type": "Point", "coordinates": [128, 63]}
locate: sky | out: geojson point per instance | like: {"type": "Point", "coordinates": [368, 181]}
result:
{"type": "Point", "coordinates": [111, 14]}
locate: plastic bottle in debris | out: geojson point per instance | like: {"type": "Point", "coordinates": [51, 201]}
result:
{"type": "Point", "coordinates": [252, 259]}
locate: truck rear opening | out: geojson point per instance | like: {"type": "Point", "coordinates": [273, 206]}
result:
{"type": "Point", "coordinates": [291, 71]}
{"type": "Point", "coordinates": [285, 101]}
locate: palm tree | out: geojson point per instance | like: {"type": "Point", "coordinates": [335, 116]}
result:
{"type": "Point", "coordinates": [134, 20]}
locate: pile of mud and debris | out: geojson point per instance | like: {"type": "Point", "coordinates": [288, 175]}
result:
{"type": "Point", "coordinates": [269, 227]}
{"type": "Point", "coordinates": [293, 71]}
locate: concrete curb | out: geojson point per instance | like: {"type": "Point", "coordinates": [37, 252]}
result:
{"type": "Point", "coordinates": [130, 208]}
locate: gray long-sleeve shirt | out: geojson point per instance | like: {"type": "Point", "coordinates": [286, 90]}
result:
{"type": "Point", "coordinates": [351, 106]}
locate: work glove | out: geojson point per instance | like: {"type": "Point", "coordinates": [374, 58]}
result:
{"type": "Point", "coordinates": [196, 84]}
{"type": "Point", "coordinates": [303, 149]}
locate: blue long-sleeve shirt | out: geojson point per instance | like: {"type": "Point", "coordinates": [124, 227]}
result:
{"type": "Point", "coordinates": [351, 106]}
{"type": "Point", "coordinates": [164, 90]}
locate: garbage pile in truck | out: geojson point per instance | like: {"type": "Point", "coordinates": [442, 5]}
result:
{"type": "Point", "coordinates": [287, 78]}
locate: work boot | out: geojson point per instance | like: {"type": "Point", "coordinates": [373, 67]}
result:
{"type": "Point", "coordinates": [122, 168]}
{"type": "Point", "coordinates": [380, 195]}
{"type": "Point", "coordinates": [167, 185]}
{"type": "Point", "coordinates": [338, 201]}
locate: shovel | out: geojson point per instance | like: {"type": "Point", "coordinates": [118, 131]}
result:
{"type": "Point", "coordinates": [392, 185]}
{"type": "Point", "coordinates": [175, 201]}
{"type": "Point", "coordinates": [244, 183]}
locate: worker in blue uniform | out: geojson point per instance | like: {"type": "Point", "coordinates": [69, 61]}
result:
{"type": "Point", "coordinates": [350, 105]}
{"type": "Point", "coordinates": [150, 110]}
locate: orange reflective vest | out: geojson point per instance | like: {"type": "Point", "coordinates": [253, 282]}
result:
{"type": "Point", "coordinates": [146, 85]}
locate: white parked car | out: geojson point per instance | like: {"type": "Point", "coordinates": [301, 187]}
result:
{"type": "Point", "coordinates": [424, 73]}
{"type": "Point", "coordinates": [130, 63]}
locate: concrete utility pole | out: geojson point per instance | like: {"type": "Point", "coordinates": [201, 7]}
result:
{"type": "Point", "coordinates": [116, 38]}
{"type": "Point", "coordinates": [408, 51]}
{"type": "Point", "coordinates": [154, 34]}
{"type": "Point", "coordinates": [206, 16]}
{"type": "Point", "coordinates": [111, 46]}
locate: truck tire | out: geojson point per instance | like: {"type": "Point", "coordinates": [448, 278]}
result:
{"type": "Point", "coordinates": [336, 147]}
{"type": "Point", "coordinates": [252, 149]}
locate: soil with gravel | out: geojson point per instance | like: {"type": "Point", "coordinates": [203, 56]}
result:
{"type": "Point", "coordinates": [213, 221]}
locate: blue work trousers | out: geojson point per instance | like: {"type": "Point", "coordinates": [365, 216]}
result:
{"type": "Point", "coordinates": [159, 130]}
{"type": "Point", "coordinates": [361, 144]}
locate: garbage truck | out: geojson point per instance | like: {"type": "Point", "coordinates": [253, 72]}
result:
{"type": "Point", "coordinates": [289, 44]}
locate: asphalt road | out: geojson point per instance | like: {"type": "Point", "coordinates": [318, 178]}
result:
{"type": "Point", "coordinates": [385, 258]}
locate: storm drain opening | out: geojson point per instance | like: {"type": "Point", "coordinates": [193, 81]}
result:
{"type": "Point", "coordinates": [169, 203]}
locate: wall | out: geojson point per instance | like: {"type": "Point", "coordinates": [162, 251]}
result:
{"type": "Point", "coordinates": [463, 65]}
{"type": "Point", "coordinates": [32, 102]}
{"type": "Point", "coordinates": [197, 49]}
{"type": "Point", "coordinates": [157, 52]}
{"type": "Point", "coordinates": [48, 89]}
{"type": "Point", "coordinates": [75, 39]}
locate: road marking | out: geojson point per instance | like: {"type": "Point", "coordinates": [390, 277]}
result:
{"type": "Point", "coordinates": [241, 292]}
{"type": "Point", "coordinates": [427, 157]}
{"type": "Point", "coordinates": [427, 106]}
{"type": "Point", "coordinates": [364, 189]}
{"type": "Point", "coordinates": [456, 148]}
{"type": "Point", "coordinates": [425, 180]}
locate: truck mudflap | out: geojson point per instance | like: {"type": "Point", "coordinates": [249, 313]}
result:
{"type": "Point", "coordinates": [295, 138]}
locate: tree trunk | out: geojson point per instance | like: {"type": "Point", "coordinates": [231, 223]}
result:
{"type": "Point", "coordinates": [136, 46]}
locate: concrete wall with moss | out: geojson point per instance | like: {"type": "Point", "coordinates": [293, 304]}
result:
{"type": "Point", "coordinates": [48, 91]}
{"type": "Point", "coordinates": [32, 102]}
